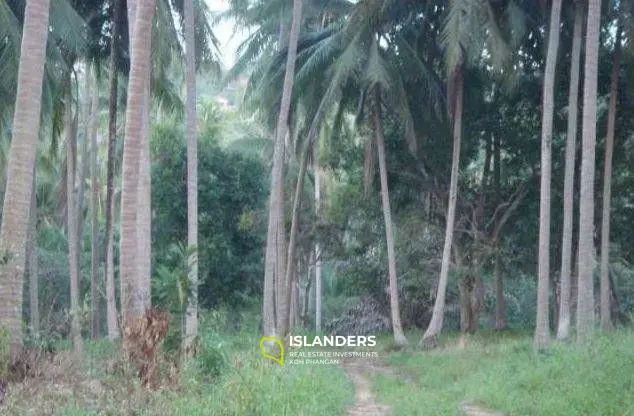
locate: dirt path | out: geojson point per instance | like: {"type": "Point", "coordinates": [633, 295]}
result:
{"type": "Point", "coordinates": [365, 399]}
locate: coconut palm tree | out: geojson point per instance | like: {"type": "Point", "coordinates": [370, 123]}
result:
{"type": "Point", "coordinates": [542, 329]}
{"type": "Point", "coordinates": [17, 200]}
{"type": "Point", "coordinates": [606, 321]}
{"type": "Point", "coordinates": [563, 326]}
{"type": "Point", "coordinates": [191, 319]}
{"type": "Point", "coordinates": [133, 300]}
{"type": "Point", "coordinates": [585, 293]}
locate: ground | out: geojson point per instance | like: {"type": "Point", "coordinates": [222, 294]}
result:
{"type": "Point", "coordinates": [494, 374]}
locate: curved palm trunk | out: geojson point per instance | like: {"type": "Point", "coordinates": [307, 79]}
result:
{"type": "Point", "coordinates": [606, 321]}
{"type": "Point", "coordinates": [191, 321]}
{"type": "Point", "coordinates": [274, 252]}
{"type": "Point", "coordinates": [17, 197]}
{"type": "Point", "coordinates": [542, 330]}
{"type": "Point", "coordinates": [377, 124]}
{"type": "Point", "coordinates": [563, 326]}
{"type": "Point", "coordinates": [585, 292]}
{"type": "Point", "coordinates": [132, 302]}
{"type": "Point", "coordinates": [111, 307]}
{"type": "Point", "coordinates": [430, 338]}
{"type": "Point", "coordinates": [95, 281]}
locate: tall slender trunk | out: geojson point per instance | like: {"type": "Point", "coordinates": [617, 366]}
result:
{"type": "Point", "coordinates": [606, 321]}
{"type": "Point", "coordinates": [111, 307]}
{"type": "Point", "coordinates": [111, 301]}
{"type": "Point", "coordinates": [34, 282]}
{"type": "Point", "coordinates": [542, 329]}
{"type": "Point", "coordinates": [318, 279]}
{"type": "Point", "coordinates": [430, 338]}
{"type": "Point", "coordinates": [132, 297]}
{"type": "Point", "coordinates": [377, 125]}
{"type": "Point", "coordinates": [274, 253]}
{"type": "Point", "coordinates": [71, 221]}
{"type": "Point", "coordinates": [18, 189]}
{"type": "Point", "coordinates": [500, 304]}
{"type": "Point", "coordinates": [95, 280]}
{"type": "Point", "coordinates": [191, 321]}
{"type": "Point", "coordinates": [292, 243]}
{"type": "Point", "coordinates": [144, 185]}
{"type": "Point", "coordinates": [82, 169]}
{"type": "Point", "coordinates": [563, 326]}
{"type": "Point", "coordinates": [585, 303]}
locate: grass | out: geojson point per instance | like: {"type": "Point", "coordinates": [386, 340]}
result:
{"type": "Point", "coordinates": [247, 384]}
{"type": "Point", "coordinates": [504, 373]}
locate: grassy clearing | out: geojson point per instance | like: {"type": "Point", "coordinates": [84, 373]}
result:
{"type": "Point", "coordinates": [504, 373]}
{"type": "Point", "coordinates": [234, 379]}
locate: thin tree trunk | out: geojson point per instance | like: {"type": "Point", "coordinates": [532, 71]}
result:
{"type": "Point", "coordinates": [606, 321]}
{"type": "Point", "coordinates": [292, 243]}
{"type": "Point", "coordinates": [34, 298]}
{"type": "Point", "coordinates": [542, 329]}
{"type": "Point", "coordinates": [95, 281]}
{"type": "Point", "coordinates": [500, 304]}
{"type": "Point", "coordinates": [430, 338]}
{"type": "Point", "coordinates": [563, 327]}
{"type": "Point", "coordinates": [132, 298]}
{"type": "Point", "coordinates": [111, 307]}
{"type": "Point", "coordinates": [318, 278]}
{"type": "Point", "coordinates": [377, 125]}
{"type": "Point", "coordinates": [71, 221]}
{"type": "Point", "coordinates": [585, 303]}
{"type": "Point", "coordinates": [82, 168]}
{"type": "Point", "coordinates": [276, 204]}
{"type": "Point", "coordinates": [111, 301]}
{"type": "Point", "coordinates": [21, 162]}
{"type": "Point", "coordinates": [191, 321]}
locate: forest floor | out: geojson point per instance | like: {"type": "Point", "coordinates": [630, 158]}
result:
{"type": "Point", "coordinates": [492, 371]}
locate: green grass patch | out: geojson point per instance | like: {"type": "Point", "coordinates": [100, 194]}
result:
{"type": "Point", "coordinates": [503, 372]}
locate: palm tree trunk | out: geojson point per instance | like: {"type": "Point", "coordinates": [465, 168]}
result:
{"type": "Point", "coordinates": [318, 280]}
{"type": "Point", "coordinates": [377, 125]}
{"type": "Point", "coordinates": [95, 281]}
{"type": "Point", "coordinates": [430, 338]}
{"type": "Point", "coordinates": [144, 193]}
{"type": "Point", "coordinates": [500, 304]}
{"type": "Point", "coordinates": [606, 321]}
{"type": "Point", "coordinates": [563, 326]}
{"type": "Point", "coordinates": [132, 300]}
{"type": "Point", "coordinates": [111, 301]}
{"type": "Point", "coordinates": [34, 298]}
{"type": "Point", "coordinates": [585, 302]}
{"type": "Point", "coordinates": [82, 168]}
{"type": "Point", "coordinates": [18, 189]}
{"type": "Point", "coordinates": [292, 243]}
{"type": "Point", "coordinates": [274, 253]}
{"type": "Point", "coordinates": [111, 307]}
{"type": "Point", "coordinates": [71, 218]}
{"type": "Point", "coordinates": [542, 330]}
{"type": "Point", "coordinates": [191, 320]}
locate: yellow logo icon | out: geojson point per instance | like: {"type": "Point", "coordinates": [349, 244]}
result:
{"type": "Point", "coordinates": [280, 360]}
